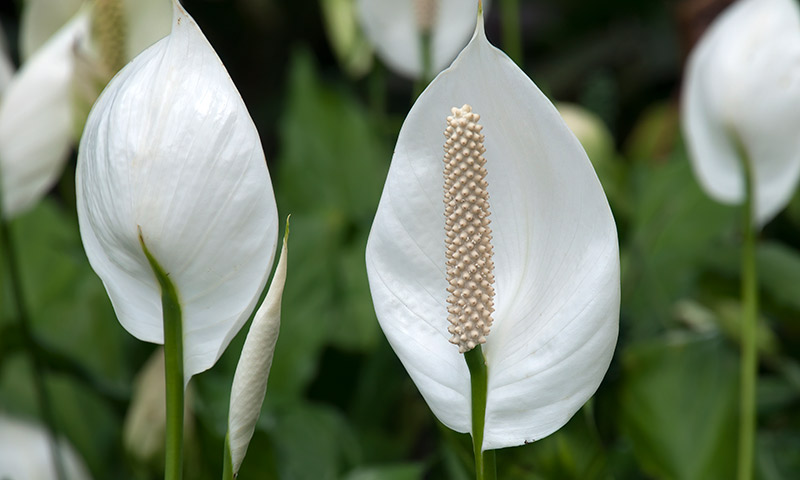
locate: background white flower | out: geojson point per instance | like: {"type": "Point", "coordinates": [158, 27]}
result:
{"type": "Point", "coordinates": [393, 27]}
{"type": "Point", "coordinates": [742, 91]}
{"type": "Point", "coordinates": [26, 453]}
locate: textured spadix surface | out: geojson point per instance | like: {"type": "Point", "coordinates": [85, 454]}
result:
{"type": "Point", "coordinates": [742, 90]}
{"type": "Point", "coordinates": [556, 261]}
{"type": "Point", "coordinates": [393, 27]}
{"type": "Point", "coordinates": [170, 149]}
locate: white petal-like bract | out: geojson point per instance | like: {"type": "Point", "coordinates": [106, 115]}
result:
{"type": "Point", "coordinates": [25, 453]}
{"type": "Point", "coordinates": [252, 371]}
{"type": "Point", "coordinates": [169, 150]}
{"type": "Point", "coordinates": [556, 260]}
{"type": "Point", "coordinates": [393, 28]}
{"type": "Point", "coordinates": [36, 119]}
{"type": "Point", "coordinates": [741, 93]}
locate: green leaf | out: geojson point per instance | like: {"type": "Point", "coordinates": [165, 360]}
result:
{"type": "Point", "coordinates": [68, 305]}
{"type": "Point", "coordinates": [332, 168]}
{"type": "Point", "coordinates": [411, 471]}
{"type": "Point", "coordinates": [674, 226]}
{"type": "Point", "coordinates": [678, 401]}
{"type": "Point", "coordinates": [311, 442]}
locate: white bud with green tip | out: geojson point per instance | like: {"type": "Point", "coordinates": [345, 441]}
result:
{"type": "Point", "coordinates": [252, 371]}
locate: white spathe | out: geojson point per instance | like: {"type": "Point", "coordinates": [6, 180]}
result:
{"type": "Point", "coordinates": [742, 87]}
{"type": "Point", "coordinates": [252, 371]}
{"type": "Point", "coordinates": [40, 20]}
{"type": "Point", "coordinates": [26, 453]}
{"type": "Point", "coordinates": [555, 253]}
{"type": "Point", "coordinates": [36, 118]}
{"type": "Point", "coordinates": [393, 29]}
{"type": "Point", "coordinates": [170, 149]}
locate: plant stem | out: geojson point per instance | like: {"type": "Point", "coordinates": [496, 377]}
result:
{"type": "Point", "coordinates": [227, 462]}
{"type": "Point", "coordinates": [484, 460]}
{"type": "Point", "coordinates": [45, 407]}
{"type": "Point", "coordinates": [173, 364]}
{"type": "Point", "coordinates": [749, 332]}
{"type": "Point", "coordinates": [426, 52]}
{"type": "Point", "coordinates": [512, 35]}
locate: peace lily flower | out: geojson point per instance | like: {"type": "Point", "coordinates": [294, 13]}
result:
{"type": "Point", "coordinates": [741, 92]}
{"type": "Point", "coordinates": [48, 99]}
{"type": "Point", "coordinates": [36, 119]}
{"type": "Point", "coordinates": [171, 162]}
{"type": "Point", "coordinates": [396, 28]}
{"type": "Point", "coordinates": [25, 453]}
{"type": "Point", "coordinates": [499, 234]}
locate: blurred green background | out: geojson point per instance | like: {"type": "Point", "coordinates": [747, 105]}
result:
{"type": "Point", "coordinates": [339, 404]}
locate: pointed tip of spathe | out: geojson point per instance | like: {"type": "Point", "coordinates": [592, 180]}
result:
{"type": "Point", "coordinates": [178, 13]}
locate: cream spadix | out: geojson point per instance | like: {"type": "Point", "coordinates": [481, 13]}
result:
{"type": "Point", "coordinates": [554, 250]}
{"type": "Point", "coordinates": [169, 150]}
{"type": "Point", "coordinates": [740, 96]}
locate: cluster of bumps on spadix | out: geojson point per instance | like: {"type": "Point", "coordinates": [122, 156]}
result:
{"type": "Point", "coordinates": [468, 235]}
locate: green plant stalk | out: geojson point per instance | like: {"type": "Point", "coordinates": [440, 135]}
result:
{"type": "Point", "coordinates": [426, 52]}
{"type": "Point", "coordinates": [512, 34]}
{"type": "Point", "coordinates": [173, 360]}
{"type": "Point", "coordinates": [749, 334]}
{"type": "Point", "coordinates": [227, 462]}
{"type": "Point", "coordinates": [45, 407]}
{"type": "Point", "coordinates": [485, 468]}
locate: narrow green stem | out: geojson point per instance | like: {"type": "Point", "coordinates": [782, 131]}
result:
{"type": "Point", "coordinates": [512, 34]}
{"type": "Point", "coordinates": [173, 360]}
{"type": "Point", "coordinates": [426, 52]}
{"type": "Point", "coordinates": [227, 462]}
{"type": "Point", "coordinates": [749, 333]}
{"type": "Point", "coordinates": [484, 460]}
{"type": "Point", "coordinates": [18, 295]}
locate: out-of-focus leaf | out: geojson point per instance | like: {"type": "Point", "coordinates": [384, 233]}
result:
{"type": "Point", "coordinates": [411, 471]}
{"type": "Point", "coordinates": [779, 273]}
{"type": "Point", "coordinates": [331, 158]}
{"type": "Point", "coordinates": [80, 415]}
{"type": "Point", "coordinates": [67, 303]}
{"type": "Point", "coordinates": [678, 401]}
{"type": "Point", "coordinates": [310, 441]}
{"type": "Point", "coordinates": [777, 454]}
{"type": "Point", "coordinates": [332, 169]}
{"type": "Point", "coordinates": [674, 226]}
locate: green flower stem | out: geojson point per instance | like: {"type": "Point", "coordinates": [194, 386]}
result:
{"type": "Point", "coordinates": [173, 360]}
{"type": "Point", "coordinates": [512, 34]}
{"type": "Point", "coordinates": [749, 359]}
{"type": "Point", "coordinates": [484, 460]}
{"type": "Point", "coordinates": [29, 342]}
{"type": "Point", "coordinates": [227, 462]}
{"type": "Point", "coordinates": [426, 51]}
